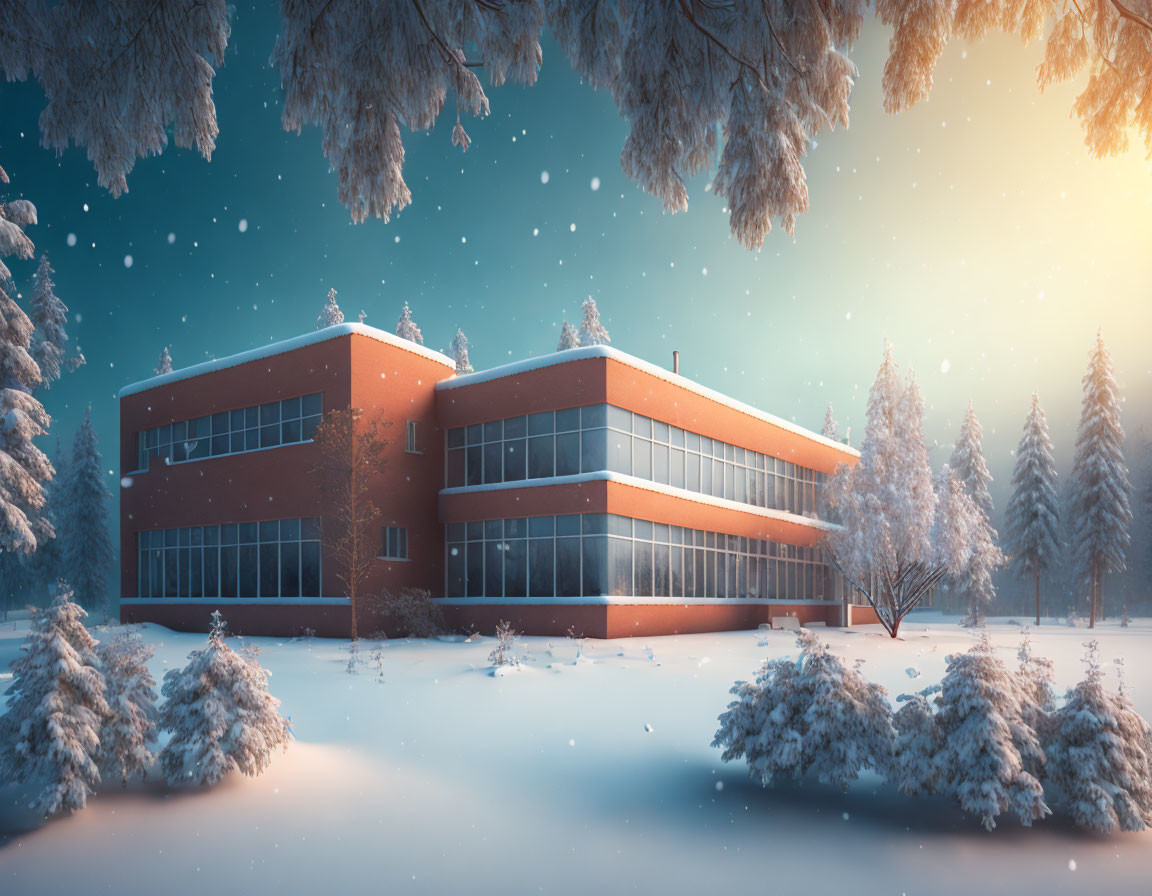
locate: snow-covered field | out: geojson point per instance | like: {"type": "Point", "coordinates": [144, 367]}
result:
{"type": "Point", "coordinates": [588, 777]}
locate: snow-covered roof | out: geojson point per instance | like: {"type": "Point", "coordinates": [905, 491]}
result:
{"type": "Point", "coordinates": [605, 351]}
{"type": "Point", "coordinates": [287, 345]}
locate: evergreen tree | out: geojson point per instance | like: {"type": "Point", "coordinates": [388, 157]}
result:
{"type": "Point", "coordinates": [220, 714]}
{"type": "Point", "coordinates": [809, 716]}
{"type": "Point", "coordinates": [87, 546]}
{"type": "Point", "coordinates": [1101, 512]}
{"type": "Point", "coordinates": [49, 338]}
{"type": "Point", "coordinates": [56, 705]}
{"type": "Point", "coordinates": [1033, 508]}
{"type": "Point", "coordinates": [406, 327]}
{"type": "Point", "coordinates": [1037, 698]}
{"type": "Point", "coordinates": [967, 462]}
{"type": "Point", "coordinates": [330, 314]}
{"type": "Point", "coordinates": [1100, 756]}
{"type": "Point", "coordinates": [165, 365]}
{"type": "Point", "coordinates": [568, 338]}
{"type": "Point", "coordinates": [460, 353]}
{"type": "Point", "coordinates": [129, 729]}
{"type": "Point", "coordinates": [592, 332]}
{"type": "Point", "coordinates": [831, 428]}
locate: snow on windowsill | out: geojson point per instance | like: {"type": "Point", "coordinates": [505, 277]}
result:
{"type": "Point", "coordinates": [604, 351]}
{"type": "Point", "coordinates": [271, 601]}
{"type": "Point", "coordinates": [659, 488]}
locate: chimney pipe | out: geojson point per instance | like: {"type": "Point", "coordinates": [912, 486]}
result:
{"type": "Point", "coordinates": [675, 362]}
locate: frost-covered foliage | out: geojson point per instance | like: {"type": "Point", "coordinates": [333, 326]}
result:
{"type": "Point", "coordinates": [913, 768]}
{"type": "Point", "coordinates": [460, 352]}
{"type": "Point", "coordinates": [87, 545]}
{"type": "Point", "coordinates": [330, 314]}
{"type": "Point", "coordinates": [886, 505]}
{"type": "Point", "coordinates": [1101, 513]}
{"type": "Point", "coordinates": [50, 735]}
{"type": "Point", "coordinates": [569, 338]}
{"type": "Point", "coordinates": [967, 462]}
{"type": "Point", "coordinates": [1033, 508]}
{"type": "Point", "coordinates": [49, 338]}
{"type": "Point", "coordinates": [981, 745]}
{"type": "Point", "coordinates": [220, 714]}
{"type": "Point", "coordinates": [1037, 698]}
{"type": "Point", "coordinates": [414, 613]}
{"type": "Point", "coordinates": [504, 653]}
{"type": "Point", "coordinates": [165, 365]}
{"type": "Point", "coordinates": [808, 716]}
{"type": "Point", "coordinates": [129, 729]}
{"type": "Point", "coordinates": [592, 332]}
{"type": "Point", "coordinates": [1100, 756]}
{"type": "Point", "coordinates": [957, 518]}
{"type": "Point", "coordinates": [406, 327]}
{"type": "Point", "coordinates": [831, 429]}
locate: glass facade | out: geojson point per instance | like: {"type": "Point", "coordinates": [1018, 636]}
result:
{"type": "Point", "coordinates": [231, 432]}
{"type": "Point", "coordinates": [275, 558]}
{"type": "Point", "coordinates": [605, 437]}
{"type": "Point", "coordinates": [596, 554]}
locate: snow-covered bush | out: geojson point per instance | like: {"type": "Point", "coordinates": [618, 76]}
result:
{"type": "Point", "coordinates": [808, 716]}
{"type": "Point", "coordinates": [913, 768]}
{"type": "Point", "coordinates": [504, 653]}
{"type": "Point", "coordinates": [50, 735]}
{"type": "Point", "coordinates": [1037, 698]}
{"type": "Point", "coordinates": [592, 331]}
{"type": "Point", "coordinates": [413, 612]}
{"type": "Point", "coordinates": [220, 713]}
{"type": "Point", "coordinates": [330, 314]}
{"type": "Point", "coordinates": [1099, 756]}
{"type": "Point", "coordinates": [129, 729]}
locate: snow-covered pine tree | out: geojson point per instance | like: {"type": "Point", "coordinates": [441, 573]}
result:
{"type": "Point", "coordinates": [56, 705]}
{"type": "Point", "coordinates": [592, 332]}
{"type": "Point", "coordinates": [165, 365]}
{"type": "Point", "coordinates": [129, 729]}
{"type": "Point", "coordinates": [1099, 756]}
{"type": "Point", "coordinates": [984, 744]}
{"type": "Point", "coordinates": [49, 338]}
{"type": "Point", "coordinates": [967, 462]}
{"type": "Point", "coordinates": [831, 428]}
{"type": "Point", "coordinates": [1101, 510]}
{"type": "Point", "coordinates": [916, 744]}
{"type": "Point", "coordinates": [568, 338]}
{"type": "Point", "coordinates": [87, 546]}
{"type": "Point", "coordinates": [1037, 697]}
{"type": "Point", "coordinates": [956, 521]}
{"type": "Point", "coordinates": [460, 353]}
{"type": "Point", "coordinates": [330, 314]}
{"type": "Point", "coordinates": [220, 714]}
{"type": "Point", "coordinates": [406, 327]}
{"type": "Point", "coordinates": [808, 716]}
{"type": "Point", "coordinates": [1033, 508]}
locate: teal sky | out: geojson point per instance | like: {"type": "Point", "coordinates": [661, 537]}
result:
{"type": "Point", "coordinates": [974, 232]}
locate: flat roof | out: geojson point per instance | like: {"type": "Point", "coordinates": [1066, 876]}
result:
{"type": "Point", "coordinates": [287, 345]}
{"type": "Point", "coordinates": [606, 351]}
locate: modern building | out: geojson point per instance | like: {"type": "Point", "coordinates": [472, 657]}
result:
{"type": "Point", "coordinates": [584, 491]}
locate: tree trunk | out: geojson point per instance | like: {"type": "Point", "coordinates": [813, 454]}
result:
{"type": "Point", "coordinates": [1092, 596]}
{"type": "Point", "coordinates": [352, 607]}
{"type": "Point", "coordinates": [895, 628]}
{"type": "Point", "coordinates": [1037, 597]}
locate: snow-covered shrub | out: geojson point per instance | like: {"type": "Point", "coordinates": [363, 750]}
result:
{"type": "Point", "coordinates": [220, 713]}
{"type": "Point", "coordinates": [1099, 756]}
{"type": "Point", "coordinates": [1037, 698]}
{"type": "Point", "coordinates": [50, 735]}
{"type": "Point", "coordinates": [414, 612]}
{"type": "Point", "coordinates": [983, 746]}
{"type": "Point", "coordinates": [504, 653]}
{"type": "Point", "coordinates": [808, 716]}
{"type": "Point", "coordinates": [129, 729]}
{"type": "Point", "coordinates": [916, 744]}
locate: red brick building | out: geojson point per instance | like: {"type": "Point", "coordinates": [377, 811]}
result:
{"type": "Point", "coordinates": [586, 489]}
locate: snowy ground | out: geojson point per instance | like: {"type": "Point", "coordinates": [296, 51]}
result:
{"type": "Point", "coordinates": [445, 779]}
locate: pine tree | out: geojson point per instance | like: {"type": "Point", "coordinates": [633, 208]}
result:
{"type": "Point", "coordinates": [220, 714]}
{"type": "Point", "coordinates": [165, 365]}
{"type": "Point", "coordinates": [56, 705]}
{"type": "Point", "coordinates": [955, 525]}
{"type": "Point", "coordinates": [129, 729]}
{"type": "Point", "coordinates": [809, 716]}
{"type": "Point", "coordinates": [1100, 756]}
{"type": "Point", "coordinates": [460, 353]}
{"type": "Point", "coordinates": [592, 332]}
{"type": "Point", "coordinates": [967, 462]}
{"type": "Point", "coordinates": [331, 314]}
{"type": "Point", "coordinates": [49, 338]}
{"type": "Point", "coordinates": [406, 327]}
{"type": "Point", "coordinates": [1037, 698]}
{"type": "Point", "coordinates": [1033, 508]}
{"type": "Point", "coordinates": [1101, 511]}
{"type": "Point", "coordinates": [568, 338]}
{"type": "Point", "coordinates": [831, 428]}
{"type": "Point", "coordinates": [87, 546]}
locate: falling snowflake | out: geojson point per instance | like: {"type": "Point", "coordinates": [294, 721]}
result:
{"type": "Point", "coordinates": [127, 261]}
{"type": "Point", "coordinates": [595, 185]}
{"type": "Point", "coordinates": [243, 225]}
{"type": "Point", "coordinates": [945, 366]}
{"type": "Point", "coordinates": [171, 238]}
{"type": "Point", "coordinates": [543, 177]}
{"type": "Point", "coordinates": [71, 240]}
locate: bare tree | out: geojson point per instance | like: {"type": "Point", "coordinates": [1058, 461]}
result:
{"type": "Point", "coordinates": [350, 453]}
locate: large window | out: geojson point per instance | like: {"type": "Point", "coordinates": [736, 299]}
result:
{"type": "Point", "coordinates": [597, 554]}
{"type": "Point", "coordinates": [231, 432]}
{"type": "Point", "coordinates": [394, 543]}
{"type": "Point", "coordinates": [605, 437]}
{"type": "Point", "coordinates": [275, 558]}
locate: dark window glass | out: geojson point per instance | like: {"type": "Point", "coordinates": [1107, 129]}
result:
{"type": "Point", "coordinates": [494, 530]}
{"type": "Point", "coordinates": [516, 568]}
{"type": "Point", "coordinates": [643, 568]}
{"type": "Point", "coordinates": [594, 523]}
{"type": "Point", "coordinates": [454, 584]}
{"type": "Point", "coordinates": [696, 556]}
{"type": "Point", "coordinates": [515, 460]}
{"type": "Point", "coordinates": [620, 566]}
{"type": "Point", "coordinates": [515, 428]}
{"type": "Point", "coordinates": [595, 564]}
{"type": "Point", "coordinates": [308, 428]}
{"type": "Point", "coordinates": [540, 424]}
{"type": "Point", "coordinates": [228, 533]}
{"type": "Point", "coordinates": [248, 571]}
{"type": "Point", "coordinates": [156, 562]}
{"type": "Point", "coordinates": [494, 431]}
{"type": "Point", "coordinates": [290, 570]}
{"type": "Point", "coordinates": [475, 568]}
{"type": "Point", "coordinates": [567, 567]}
{"type": "Point", "coordinates": [269, 436]}
{"type": "Point", "coordinates": [311, 404]}
{"type": "Point", "coordinates": [310, 527]}
{"type": "Point", "coordinates": [594, 416]}
{"type": "Point", "coordinates": [475, 531]}
{"type": "Point", "coordinates": [236, 420]}
{"type": "Point", "coordinates": [269, 570]}
{"type": "Point", "coordinates": [170, 569]}
{"type": "Point", "coordinates": [220, 445]}
{"type": "Point", "coordinates": [541, 526]}
{"type": "Point", "coordinates": [568, 420]}
{"type": "Point", "coordinates": [515, 528]}
{"type": "Point", "coordinates": [270, 531]}
{"type": "Point", "coordinates": [211, 572]}
{"type": "Point", "coordinates": [184, 535]}
{"type": "Point", "coordinates": [310, 569]}
{"type": "Point", "coordinates": [269, 413]}
{"type": "Point", "coordinates": [251, 439]}
{"type": "Point", "coordinates": [475, 465]}
{"type": "Point", "coordinates": [195, 558]}
{"type": "Point", "coordinates": [568, 525]}
{"type": "Point", "coordinates": [220, 423]}
{"type": "Point", "coordinates": [454, 474]}
{"type": "Point", "coordinates": [228, 572]}
{"type": "Point", "coordinates": [493, 462]}
{"type": "Point", "coordinates": [593, 450]}
{"type": "Point", "coordinates": [456, 437]}
{"type": "Point", "coordinates": [455, 531]}
{"type": "Point", "coordinates": [567, 453]}
{"type": "Point", "coordinates": [289, 530]}
{"type": "Point", "coordinates": [290, 431]}
{"type": "Point", "coordinates": [540, 567]}
{"type": "Point", "coordinates": [475, 433]}
{"type": "Point", "coordinates": [290, 409]}
{"type": "Point", "coordinates": [493, 568]}
{"type": "Point", "coordinates": [540, 461]}
{"type": "Point", "coordinates": [251, 418]}
{"type": "Point", "coordinates": [236, 442]}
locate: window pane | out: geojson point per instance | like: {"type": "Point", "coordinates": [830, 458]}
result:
{"type": "Point", "coordinates": [541, 526]}
{"type": "Point", "coordinates": [642, 426]}
{"type": "Point", "coordinates": [311, 404]}
{"type": "Point", "coordinates": [593, 450]}
{"type": "Point", "coordinates": [211, 572]}
{"type": "Point", "coordinates": [641, 457]}
{"type": "Point", "coordinates": [540, 457]}
{"type": "Point", "coordinates": [270, 531]}
{"type": "Point", "coordinates": [248, 571]}
{"type": "Point", "coordinates": [660, 570]}
{"type": "Point", "coordinates": [310, 569]}
{"type": "Point", "coordinates": [540, 567]}
{"type": "Point", "coordinates": [228, 572]}
{"type": "Point", "coordinates": [290, 570]}
{"type": "Point", "coordinates": [475, 470]}
{"type": "Point", "coordinates": [456, 437]}
{"type": "Point", "coordinates": [515, 460]}
{"type": "Point", "coordinates": [156, 564]}
{"type": "Point", "coordinates": [475, 433]}
{"type": "Point", "coordinates": [516, 568]}
{"type": "Point", "coordinates": [620, 419]}
{"type": "Point", "coordinates": [310, 527]}
{"type": "Point", "coordinates": [475, 568]}
{"type": "Point", "coordinates": [660, 463]}
{"type": "Point", "coordinates": [595, 564]}
{"type": "Point", "coordinates": [195, 558]}
{"type": "Point", "coordinates": [676, 570]}
{"type": "Point", "coordinates": [454, 583]}
{"type": "Point", "coordinates": [594, 416]}
{"type": "Point", "coordinates": [290, 432]}
{"type": "Point", "coordinates": [493, 462]}
{"type": "Point", "coordinates": [290, 409]}
{"type": "Point", "coordinates": [567, 453]}
{"type": "Point", "coordinates": [676, 468]}
{"type": "Point", "coordinates": [567, 567]}
{"type": "Point", "coordinates": [659, 431]}
{"type": "Point", "coordinates": [540, 424]}
{"type": "Point", "coordinates": [454, 472]}
{"type": "Point", "coordinates": [308, 427]}
{"type": "Point", "coordinates": [269, 436]}
{"type": "Point", "coordinates": [619, 452]}
{"type": "Point", "coordinates": [515, 428]}
{"type": "Point", "coordinates": [494, 431]}
{"type": "Point", "coordinates": [251, 417]}
{"type": "Point", "coordinates": [643, 568]}
{"type": "Point", "coordinates": [568, 420]}
{"type": "Point", "coordinates": [170, 569]}
{"type": "Point", "coordinates": [269, 413]}
{"type": "Point", "coordinates": [568, 525]}
{"type": "Point", "coordinates": [269, 570]}
{"type": "Point", "coordinates": [620, 566]}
